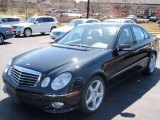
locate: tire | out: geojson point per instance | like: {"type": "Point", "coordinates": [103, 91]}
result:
{"type": "Point", "coordinates": [42, 33]}
{"type": "Point", "coordinates": [1, 38]}
{"type": "Point", "coordinates": [17, 35]}
{"type": "Point", "coordinates": [92, 98]}
{"type": "Point", "coordinates": [52, 28]}
{"type": "Point", "coordinates": [151, 65]}
{"type": "Point", "coordinates": [27, 32]}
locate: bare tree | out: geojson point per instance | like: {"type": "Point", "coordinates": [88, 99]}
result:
{"type": "Point", "coordinates": [4, 5]}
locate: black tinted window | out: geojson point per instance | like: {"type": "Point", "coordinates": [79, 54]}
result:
{"type": "Point", "coordinates": [4, 20]}
{"type": "Point", "coordinates": [48, 20]}
{"type": "Point", "coordinates": [13, 19]}
{"type": "Point", "coordinates": [138, 34]}
{"type": "Point", "coordinates": [126, 37]}
{"type": "Point", "coordinates": [39, 20]}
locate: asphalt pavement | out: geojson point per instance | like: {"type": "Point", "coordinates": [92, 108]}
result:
{"type": "Point", "coordinates": [136, 98]}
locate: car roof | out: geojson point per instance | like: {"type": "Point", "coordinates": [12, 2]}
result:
{"type": "Point", "coordinates": [11, 17]}
{"type": "Point", "coordinates": [85, 19]}
{"type": "Point", "coordinates": [42, 16]}
{"type": "Point", "coordinates": [109, 24]}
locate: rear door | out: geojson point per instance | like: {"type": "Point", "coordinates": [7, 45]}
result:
{"type": "Point", "coordinates": [142, 45]}
{"type": "Point", "coordinates": [49, 23]}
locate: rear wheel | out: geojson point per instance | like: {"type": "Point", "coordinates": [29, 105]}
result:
{"type": "Point", "coordinates": [42, 33]}
{"type": "Point", "coordinates": [93, 95]}
{"type": "Point", "coordinates": [1, 39]}
{"type": "Point", "coordinates": [151, 65]}
{"type": "Point", "coordinates": [27, 32]}
{"type": "Point", "coordinates": [53, 28]}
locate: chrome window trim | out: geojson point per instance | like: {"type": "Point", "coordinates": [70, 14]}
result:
{"type": "Point", "coordinates": [131, 66]}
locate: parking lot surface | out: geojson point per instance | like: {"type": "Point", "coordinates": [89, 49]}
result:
{"type": "Point", "coordinates": [137, 98]}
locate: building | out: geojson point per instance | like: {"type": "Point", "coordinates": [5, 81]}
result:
{"type": "Point", "coordinates": [143, 8]}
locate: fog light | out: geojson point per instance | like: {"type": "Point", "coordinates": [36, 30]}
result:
{"type": "Point", "coordinates": [57, 104]}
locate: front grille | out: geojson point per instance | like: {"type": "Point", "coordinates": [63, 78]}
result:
{"type": "Point", "coordinates": [25, 77]}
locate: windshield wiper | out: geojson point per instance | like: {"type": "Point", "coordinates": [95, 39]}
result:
{"type": "Point", "coordinates": [79, 45]}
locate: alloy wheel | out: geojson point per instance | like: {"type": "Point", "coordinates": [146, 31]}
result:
{"type": "Point", "coordinates": [28, 32]}
{"type": "Point", "coordinates": [95, 94]}
{"type": "Point", "coordinates": [152, 63]}
{"type": "Point", "coordinates": [1, 39]}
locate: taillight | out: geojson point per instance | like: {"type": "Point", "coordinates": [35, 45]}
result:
{"type": "Point", "coordinates": [10, 29]}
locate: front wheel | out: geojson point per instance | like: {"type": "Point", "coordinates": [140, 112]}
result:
{"type": "Point", "coordinates": [27, 32]}
{"type": "Point", "coordinates": [151, 65]}
{"type": "Point", "coordinates": [1, 39]}
{"type": "Point", "coordinates": [93, 95]}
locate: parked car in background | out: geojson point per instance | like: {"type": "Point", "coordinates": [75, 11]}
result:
{"type": "Point", "coordinates": [36, 24]}
{"type": "Point", "coordinates": [119, 21]}
{"type": "Point", "coordinates": [154, 18]}
{"type": "Point", "coordinates": [59, 32]}
{"type": "Point", "coordinates": [6, 32]}
{"type": "Point", "coordinates": [132, 17]}
{"type": "Point", "coordinates": [10, 20]}
{"type": "Point", "coordinates": [75, 72]}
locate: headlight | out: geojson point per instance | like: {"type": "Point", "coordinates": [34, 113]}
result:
{"type": "Point", "coordinates": [45, 82]}
{"type": "Point", "coordinates": [8, 66]}
{"type": "Point", "coordinates": [61, 81]}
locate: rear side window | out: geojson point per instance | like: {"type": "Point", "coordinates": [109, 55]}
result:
{"type": "Point", "coordinates": [48, 20]}
{"type": "Point", "coordinates": [139, 35]}
{"type": "Point", "coordinates": [13, 19]}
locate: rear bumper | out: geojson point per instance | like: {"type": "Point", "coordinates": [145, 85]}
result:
{"type": "Point", "coordinates": [9, 35]}
{"type": "Point", "coordinates": [43, 101]}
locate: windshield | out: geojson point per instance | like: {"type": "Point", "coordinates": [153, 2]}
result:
{"type": "Point", "coordinates": [90, 36]}
{"type": "Point", "coordinates": [74, 23]}
{"type": "Point", "coordinates": [30, 20]}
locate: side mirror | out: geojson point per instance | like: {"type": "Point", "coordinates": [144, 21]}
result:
{"type": "Point", "coordinates": [36, 22]}
{"type": "Point", "coordinates": [123, 47]}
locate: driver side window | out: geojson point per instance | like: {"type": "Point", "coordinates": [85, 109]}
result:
{"type": "Point", "coordinates": [126, 37]}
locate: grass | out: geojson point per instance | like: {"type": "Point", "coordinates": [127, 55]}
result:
{"type": "Point", "coordinates": [151, 27]}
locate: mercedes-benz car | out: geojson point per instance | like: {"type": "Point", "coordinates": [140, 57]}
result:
{"type": "Point", "coordinates": [76, 71]}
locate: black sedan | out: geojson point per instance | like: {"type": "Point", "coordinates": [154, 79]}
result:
{"type": "Point", "coordinates": [6, 32]}
{"type": "Point", "coordinates": [76, 71]}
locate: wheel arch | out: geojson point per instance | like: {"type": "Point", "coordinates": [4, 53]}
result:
{"type": "Point", "coordinates": [103, 75]}
{"type": "Point", "coordinates": [2, 35]}
{"type": "Point", "coordinates": [28, 28]}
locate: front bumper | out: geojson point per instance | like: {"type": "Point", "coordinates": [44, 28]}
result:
{"type": "Point", "coordinates": [43, 101]}
{"type": "Point", "coordinates": [18, 31]}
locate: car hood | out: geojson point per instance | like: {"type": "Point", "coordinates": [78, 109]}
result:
{"type": "Point", "coordinates": [51, 57]}
{"type": "Point", "coordinates": [23, 24]}
{"type": "Point", "coordinates": [63, 29]}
